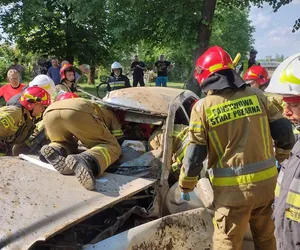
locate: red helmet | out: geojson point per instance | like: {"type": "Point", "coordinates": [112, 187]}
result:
{"type": "Point", "coordinates": [34, 95]}
{"type": "Point", "coordinates": [66, 95]}
{"type": "Point", "coordinates": [66, 67]}
{"type": "Point", "coordinates": [257, 73]}
{"type": "Point", "coordinates": [213, 60]}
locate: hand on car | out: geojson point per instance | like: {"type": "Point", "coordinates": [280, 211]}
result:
{"type": "Point", "coordinates": [185, 196]}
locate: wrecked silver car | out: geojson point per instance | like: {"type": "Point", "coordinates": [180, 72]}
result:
{"type": "Point", "coordinates": [42, 209]}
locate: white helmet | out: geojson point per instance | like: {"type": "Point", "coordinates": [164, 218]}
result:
{"type": "Point", "coordinates": [286, 78]}
{"type": "Point", "coordinates": [44, 82]}
{"type": "Point", "coordinates": [116, 65]}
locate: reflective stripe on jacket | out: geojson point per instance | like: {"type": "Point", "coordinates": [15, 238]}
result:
{"type": "Point", "coordinates": [115, 83]}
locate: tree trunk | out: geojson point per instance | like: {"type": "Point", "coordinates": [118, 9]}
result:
{"type": "Point", "coordinates": [91, 76]}
{"type": "Point", "coordinates": [204, 34]}
{"type": "Point", "coordinates": [68, 49]}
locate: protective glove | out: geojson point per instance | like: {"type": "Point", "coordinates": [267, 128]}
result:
{"type": "Point", "coordinates": [278, 166]}
{"type": "Point", "coordinates": [185, 196]}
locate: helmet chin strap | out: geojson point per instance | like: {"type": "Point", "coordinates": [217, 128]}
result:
{"type": "Point", "coordinates": [297, 126]}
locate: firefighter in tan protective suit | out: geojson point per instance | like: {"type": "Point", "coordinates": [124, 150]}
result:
{"type": "Point", "coordinates": [97, 127]}
{"type": "Point", "coordinates": [258, 77]}
{"type": "Point", "coordinates": [180, 143]}
{"type": "Point", "coordinates": [17, 122]}
{"type": "Point", "coordinates": [68, 79]}
{"type": "Point", "coordinates": [234, 125]}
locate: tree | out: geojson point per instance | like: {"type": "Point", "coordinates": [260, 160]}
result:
{"type": "Point", "coordinates": [56, 27]}
{"type": "Point", "coordinates": [181, 26]}
{"type": "Point", "coordinates": [163, 23]}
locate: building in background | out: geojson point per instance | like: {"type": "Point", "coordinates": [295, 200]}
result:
{"type": "Point", "coordinates": [270, 66]}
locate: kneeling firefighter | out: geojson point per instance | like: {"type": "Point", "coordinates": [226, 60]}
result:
{"type": "Point", "coordinates": [17, 122]}
{"type": "Point", "coordinates": [38, 137]}
{"type": "Point", "coordinates": [97, 127]}
{"type": "Point", "coordinates": [234, 125]}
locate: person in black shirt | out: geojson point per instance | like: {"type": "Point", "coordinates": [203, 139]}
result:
{"type": "Point", "coordinates": [162, 67]}
{"type": "Point", "coordinates": [247, 64]}
{"type": "Point", "coordinates": [117, 80]}
{"type": "Point", "coordinates": [138, 68]}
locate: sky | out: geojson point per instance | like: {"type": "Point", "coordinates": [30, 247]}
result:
{"type": "Point", "coordinates": [274, 30]}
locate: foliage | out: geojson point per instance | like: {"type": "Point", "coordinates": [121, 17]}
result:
{"type": "Point", "coordinates": [56, 27]}
{"type": "Point", "coordinates": [102, 31]}
{"type": "Point", "coordinates": [160, 34]}
{"type": "Point", "coordinates": [3, 69]}
{"type": "Point", "coordinates": [232, 30]}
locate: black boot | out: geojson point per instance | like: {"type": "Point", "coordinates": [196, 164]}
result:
{"type": "Point", "coordinates": [85, 167]}
{"type": "Point", "coordinates": [57, 158]}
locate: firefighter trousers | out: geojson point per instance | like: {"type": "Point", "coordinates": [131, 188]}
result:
{"type": "Point", "coordinates": [231, 224]}
{"type": "Point", "coordinates": [65, 126]}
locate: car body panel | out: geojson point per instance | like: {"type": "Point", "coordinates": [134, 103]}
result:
{"type": "Point", "coordinates": [151, 100]}
{"type": "Point", "coordinates": [38, 203]}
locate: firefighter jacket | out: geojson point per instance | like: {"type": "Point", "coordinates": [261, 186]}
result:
{"type": "Point", "coordinates": [120, 82]}
{"type": "Point", "coordinates": [234, 126]}
{"type": "Point", "coordinates": [98, 111]}
{"type": "Point", "coordinates": [287, 202]}
{"type": "Point", "coordinates": [180, 143]}
{"type": "Point", "coordinates": [63, 86]}
{"type": "Point", "coordinates": [277, 101]}
{"type": "Point", "coordinates": [16, 124]}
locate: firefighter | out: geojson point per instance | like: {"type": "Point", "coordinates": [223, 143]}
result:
{"type": "Point", "coordinates": [94, 126]}
{"type": "Point", "coordinates": [67, 79]}
{"type": "Point", "coordinates": [258, 77]}
{"type": "Point", "coordinates": [180, 142]}
{"type": "Point", "coordinates": [17, 122]}
{"type": "Point", "coordinates": [116, 79]}
{"type": "Point", "coordinates": [286, 81]}
{"type": "Point", "coordinates": [33, 144]}
{"type": "Point", "coordinates": [233, 125]}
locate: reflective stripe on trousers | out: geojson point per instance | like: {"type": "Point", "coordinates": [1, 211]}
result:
{"type": "Point", "coordinates": [117, 132]}
{"type": "Point", "coordinates": [105, 153]}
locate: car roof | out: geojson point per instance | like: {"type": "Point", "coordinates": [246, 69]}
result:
{"type": "Point", "coordinates": [154, 100]}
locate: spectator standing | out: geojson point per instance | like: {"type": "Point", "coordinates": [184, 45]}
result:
{"type": "Point", "coordinates": [138, 68]}
{"type": "Point", "coordinates": [162, 67]}
{"type": "Point", "coordinates": [20, 68]}
{"type": "Point", "coordinates": [247, 64]}
{"type": "Point", "coordinates": [14, 86]}
{"type": "Point", "coordinates": [54, 71]}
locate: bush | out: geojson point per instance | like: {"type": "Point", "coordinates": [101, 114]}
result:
{"type": "Point", "coordinates": [3, 69]}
